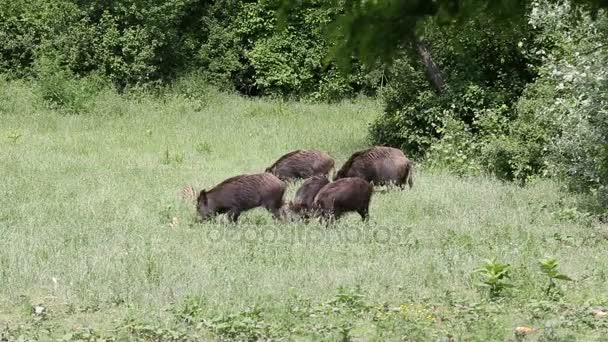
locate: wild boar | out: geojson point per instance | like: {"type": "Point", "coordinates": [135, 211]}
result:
{"type": "Point", "coordinates": [301, 164]}
{"type": "Point", "coordinates": [302, 203]}
{"type": "Point", "coordinates": [344, 195]}
{"type": "Point", "coordinates": [379, 165]}
{"type": "Point", "coordinates": [241, 193]}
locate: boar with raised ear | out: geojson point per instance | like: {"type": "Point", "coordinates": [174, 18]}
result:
{"type": "Point", "coordinates": [241, 193]}
{"type": "Point", "coordinates": [301, 164]}
{"type": "Point", "coordinates": [302, 203]}
{"type": "Point", "coordinates": [344, 195]}
{"type": "Point", "coordinates": [379, 165]}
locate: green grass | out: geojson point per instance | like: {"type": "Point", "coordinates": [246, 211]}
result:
{"type": "Point", "coordinates": [87, 231]}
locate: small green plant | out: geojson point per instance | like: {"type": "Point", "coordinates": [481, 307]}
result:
{"type": "Point", "coordinates": [168, 158]}
{"type": "Point", "coordinates": [191, 310]}
{"type": "Point", "coordinates": [246, 325]}
{"type": "Point", "coordinates": [549, 268]}
{"type": "Point", "coordinates": [14, 136]}
{"type": "Point", "coordinates": [85, 334]}
{"type": "Point", "coordinates": [349, 298]}
{"type": "Point", "coordinates": [495, 276]}
{"type": "Point", "coordinates": [203, 147]}
{"type": "Point", "coordinates": [151, 332]}
{"type": "Point", "coordinates": [179, 158]}
{"type": "Point", "coordinates": [571, 215]}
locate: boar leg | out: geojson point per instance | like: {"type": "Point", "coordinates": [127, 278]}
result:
{"type": "Point", "coordinates": [326, 216]}
{"type": "Point", "coordinates": [276, 212]}
{"type": "Point", "coordinates": [407, 178]}
{"type": "Point", "coordinates": [275, 207]}
{"type": "Point", "coordinates": [233, 215]}
{"type": "Point", "coordinates": [364, 214]}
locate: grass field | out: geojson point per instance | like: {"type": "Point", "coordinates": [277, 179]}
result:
{"type": "Point", "coordinates": [96, 243]}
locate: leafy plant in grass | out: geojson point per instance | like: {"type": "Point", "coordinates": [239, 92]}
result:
{"type": "Point", "coordinates": [203, 147]}
{"type": "Point", "coordinates": [191, 311]}
{"type": "Point", "coordinates": [549, 268]}
{"type": "Point", "coordinates": [245, 325]}
{"type": "Point", "coordinates": [85, 334]}
{"type": "Point", "coordinates": [350, 299]}
{"type": "Point", "coordinates": [169, 158]}
{"type": "Point", "coordinates": [139, 330]}
{"type": "Point", "coordinates": [495, 276]}
{"type": "Point", "coordinates": [14, 136]}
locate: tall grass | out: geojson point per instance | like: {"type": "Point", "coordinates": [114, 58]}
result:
{"type": "Point", "coordinates": [93, 228]}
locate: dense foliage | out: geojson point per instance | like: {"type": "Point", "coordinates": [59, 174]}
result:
{"type": "Point", "coordinates": [521, 100]}
{"type": "Point", "coordinates": [141, 42]}
{"type": "Point", "coordinates": [374, 30]}
{"type": "Point", "coordinates": [482, 69]}
{"type": "Point", "coordinates": [568, 103]}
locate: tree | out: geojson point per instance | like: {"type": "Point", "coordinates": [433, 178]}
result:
{"type": "Point", "coordinates": [378, 29]}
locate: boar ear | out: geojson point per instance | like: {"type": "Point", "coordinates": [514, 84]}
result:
{"type": "Point", "coordinates": [202, 197]}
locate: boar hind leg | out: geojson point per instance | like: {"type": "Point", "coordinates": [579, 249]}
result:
{"type": "Point", "coordinates": [275, 208]}
{"type": "Point", "coordinates": [233, 215]}
{"type": "Point", "coordinates": [327, 217]}
{"type": "Point", "coordinates": [364, 212]}
{"type": "Point", "coordinates": [407, 177]}
{"type": "Point", "coordinates": [276, 213]}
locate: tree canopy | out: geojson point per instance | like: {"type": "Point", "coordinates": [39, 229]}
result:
{"type": "Point", "coordinates": [375, 30]}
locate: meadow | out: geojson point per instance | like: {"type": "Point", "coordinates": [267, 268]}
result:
{"type": "Point", "coordinates": [96, 242]}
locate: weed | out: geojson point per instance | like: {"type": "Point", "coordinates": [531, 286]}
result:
{"type": "Point", "coordinates": [191, 310]}
{"type": "Point", "coordinates": [203, 147]}
{"type": "Point", "coordinates": [350, 299]}
{"type": "Point", "coordinates": [14, 136]}
{"type": "Point", "coordinates": [169, 158]}
{"type": "Point", "coordinates": [85, 335]}
{"type": "Point", "coordinates": [246, 325]}
{"type": "Point", "coordinates": [572, 215]}
{"type": "Point", "coordinates": [549, 268]}
{"type": "Point", "coordinates": [495, 277]}
{"type": "Point", "coordinates": [151, 332]}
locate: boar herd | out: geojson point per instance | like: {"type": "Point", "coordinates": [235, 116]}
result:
{"type": "Point", "coordinates": [350, 191]}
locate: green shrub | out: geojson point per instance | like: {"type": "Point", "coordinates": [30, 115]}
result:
{"type": "Point", "coordinates": [456, 148]}
{"type": "Point", "coordinates": [60, 89]}
{"type": "Point", "coordinates": [143, 43]}
{"type": "Point", "coordinates": [561, 128]}
{"type": "Point", "coordinates": [495, 277]}
{"type": "Point", "coordinates": [484, 72]}
{"type": "Point", "coordinates": [520, 101]}
{"type": "Point", "coordinates": [412, 115]}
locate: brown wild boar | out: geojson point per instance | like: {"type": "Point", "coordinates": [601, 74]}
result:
{"type": "Point", "coordinates": [379, 165]}
{"type": "Point", "coordinates": [302, 203]}
{"type": "Point", "coordinates": [302, 164]}
{"type": "Point", "coordinates": [241, 193]}
{"type": "Point", "coordinates": [344, 195]}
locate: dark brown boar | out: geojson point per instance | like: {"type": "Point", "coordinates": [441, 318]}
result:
{"type": "Point", "coordinates": [344, 195]}
{"type": "Point", "coordinates": [302, 203]}
{"type": "Point", "coordinates": [379, 165]}
{"type": "Point", "coordinates": [302, 164]}
{"type": "Point", "coordinates": [241, 193]}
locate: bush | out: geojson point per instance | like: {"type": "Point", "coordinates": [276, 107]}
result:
{"type": "Point", "coordinates": [137, 43]}
{"type": "Point", "coordinates": [412, 114]}
{"type": "Point", "coordinates": [484, 72]}
{"type": "Point", "coordinates": [518, 105]}
{"type": "Point", "coordinates": [456, 148]}
{"type": "Point", "coordinates": [60, 89]}
{"type": "Point", "coordinates": [570, 98]}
